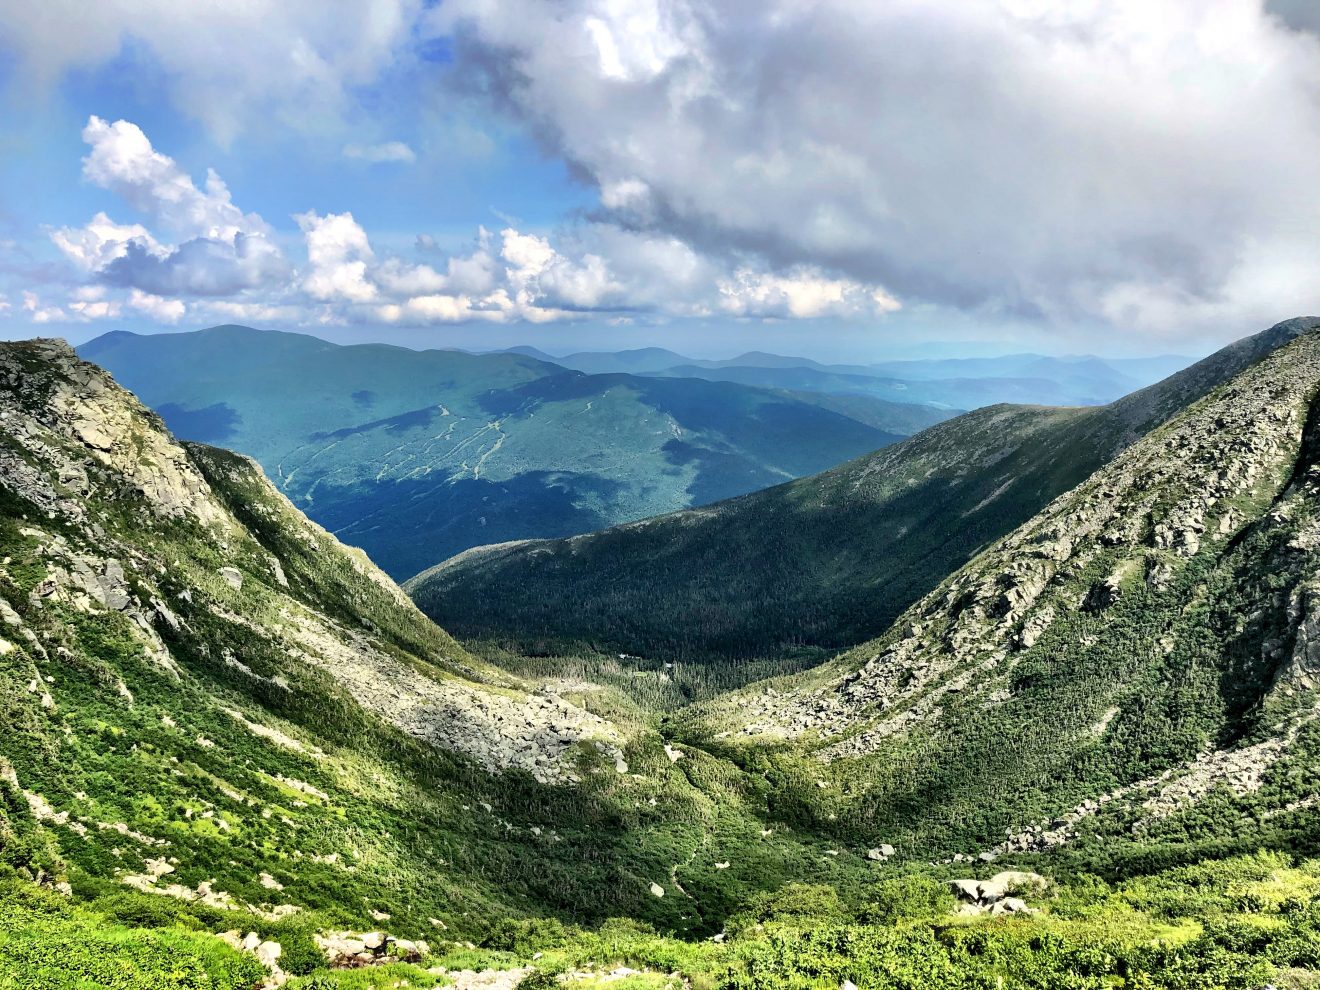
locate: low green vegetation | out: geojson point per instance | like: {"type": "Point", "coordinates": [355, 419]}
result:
{"type": "Point", "coordinates": [1236, 924]}
{"type": "Point", "coordinates": [50, 944]}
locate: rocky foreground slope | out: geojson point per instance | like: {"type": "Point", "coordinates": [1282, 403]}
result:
{"type": "Point", "coordinates": [100, 469]}
{"type": "Point", "coordinates": [823, 562]}
{"type": "Point", "coordinates": [1138, 653]}
{"type": "Point", "coordinates": [207, 699]}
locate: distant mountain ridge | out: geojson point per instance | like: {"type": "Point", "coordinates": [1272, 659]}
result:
{"type": "Point", "coordinates": [819, 563]}
{"type": "Point", "coordinates": [417, 455]}
{"type": "Point", "coordinates": [950, 383]}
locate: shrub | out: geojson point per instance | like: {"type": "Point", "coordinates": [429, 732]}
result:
{"type": "Point", "coordinates": [525, 936]}
{"type": "Point", "coordinates": [539, 979]}
{"type": "Point", "coordinates": [907, 897]}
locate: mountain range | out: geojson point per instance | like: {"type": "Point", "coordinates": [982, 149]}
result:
{"type": "Point", "coordinates": [955, 383]}
{"type": "Point", "coordinates": [821, 562]}
{"type": "Point", "coordinates": [1083, 756]}
{"type": "Point", "coordinates": [415, 456]}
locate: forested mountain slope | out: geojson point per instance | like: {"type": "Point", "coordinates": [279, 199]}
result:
{"type": "Point", "coordinates": [822, 562]}
{"type": "Point", "coordinates": [210, 701]}
{"type": "Point", "coordinates": [1135, 665]}
{"type": "Point", "coordinates": [417, 455]}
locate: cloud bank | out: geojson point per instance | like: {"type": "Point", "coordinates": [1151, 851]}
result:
{"type": "Point", "coordinates": [200, 254]}
{"type": "Point", "coordinates": [228, 64]}
{"type": "Point", "coordinates": [1139, 164]}
{"type": "Point", "coordinates": [1144, 162]}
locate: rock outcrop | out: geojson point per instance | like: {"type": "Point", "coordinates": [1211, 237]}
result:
{"type": "Point", "coordinates": [1154, 508]}
{"type": "Point", "coordinates": [80, 449]}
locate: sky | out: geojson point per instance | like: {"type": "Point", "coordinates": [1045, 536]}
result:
{"type": "Point", "coordinates": [836, 178]}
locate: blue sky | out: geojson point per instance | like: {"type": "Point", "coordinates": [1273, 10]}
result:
{"type": "Point", "coordinates": [837, 179]}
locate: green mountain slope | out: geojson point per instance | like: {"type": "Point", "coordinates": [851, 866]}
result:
{"type": "Point", "coordinates": [217, 719]}
{"type": "Point", "coordinates": [823, 562]}
{"type": "Point", "coordinates": [415, 456]}
{"type": "Point", "coordinates": [168, 597]}
{"type": "Point", "coordinates": [233, 753]}
{"type": "Point", "coordinates": [1133, 666]}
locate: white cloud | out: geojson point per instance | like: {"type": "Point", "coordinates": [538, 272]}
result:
{"type": "Point", "coordinates": [337, 253]}
{"type": "Point", "coordinates": [100, 309]}
{"type": "Point", "coordinates": [201, 267]}
{"type": "Point", "coordinates": [255, 313]}
{"type": "Point", "coordinates": [101, 241]}
{"type": "Point", "coordinates": [226, 64]}
{"type": "Point", "coordinates": [162, 310]}
{"type": "Point", "coordinates": [803, 294]}
{"type": "Point", "coordinates": [123, 161]}
{"type": "Point", "coordinates": [228, 264]}
{"type": "Point", "coordinates": [1064, 159]}
{"type": "Point", "coordinates": [38, 313]}
{"type": "Point", "coordinates": [224, 250]}
{"type": "Point", "coordinates": [390, 151]}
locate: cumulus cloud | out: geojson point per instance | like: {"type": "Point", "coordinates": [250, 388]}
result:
{"type": "Point", "coordinates": [1150, 161]}
{"type": "Point", "coordinates": [101, 241]}
{"type": "Point", "coordinates": [802, 294]}
{"type": "Point", "coordinates": [123, 161]}
{"type": "Point", "coordinates": [39, 313]}
{"type": "Point", "coordinates": [226, 63]}
{"type": "Point", "coordinates": [226, 263]}
{"type": "Point", "coordinates": [203, 266]}
{"type": "Point", "coordinates": [225, 251]}
{"type": "Point", "coordinates": [593, 271]}
{"type": "Point", "coordinates": [390, 151]}
{"type": "Point", "coordinates": [159, 309]}
{"type": "Point", "coordinates": [338, 253]}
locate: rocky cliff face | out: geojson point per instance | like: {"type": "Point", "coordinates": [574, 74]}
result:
{"type": "Point", "coordinates": [1152, 629]}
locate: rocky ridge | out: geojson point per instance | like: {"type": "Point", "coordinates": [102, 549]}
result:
{"type": "Point", "coordinates": [1151, 633]}
{"type": "Point", "coordinates": [1187, 484]}
{"type": "Point", "coordinates": [76, 445]}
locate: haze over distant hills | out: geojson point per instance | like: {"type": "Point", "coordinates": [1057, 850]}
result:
{"type": "Point", "coordinates": [961, 383]}
{"type": "Point", "coordinates": [417, 455]}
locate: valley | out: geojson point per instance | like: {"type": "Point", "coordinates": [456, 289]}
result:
{"type": "Point", "coordinates": [815, 565]}
{"type": "Point", "coordinates": [1054, 728]}
{"type": "Point", "coordinates": [659, 495]}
